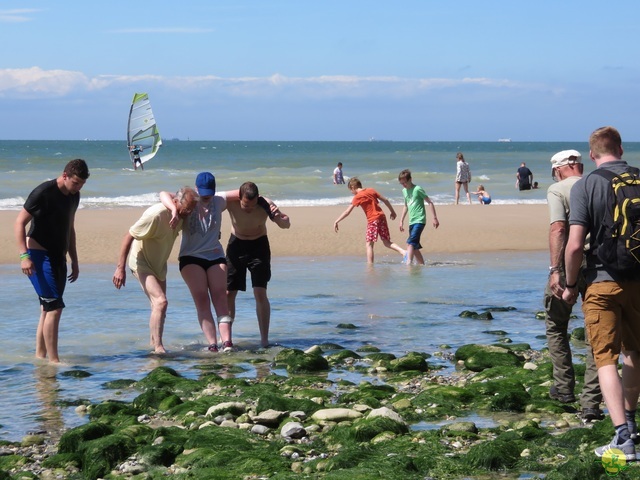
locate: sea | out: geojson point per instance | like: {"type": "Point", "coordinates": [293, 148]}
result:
{"type": "Point", "coordinates": [104, 332]}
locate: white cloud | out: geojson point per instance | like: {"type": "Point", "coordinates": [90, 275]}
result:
{"type": "Point", "coordinates": [37, 82]}
{"type": "Point", "coordinates": [55, 83]}
{"type": "Point", "coordinates": [17, 15]}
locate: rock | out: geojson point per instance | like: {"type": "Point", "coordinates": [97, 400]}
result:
{"type": "Point", "coordinates": [236, 408]}
{"type": "Point", "coordinates": [469, 427]}
{"type": "Point", "coordinates": [530, 366]}
{"type": "Point", "coordinates": [269, 417]}
{"type": "Point", "coordinates": [260, 430]}
{"type": "Point", "coordinates": [385, 412]}
{"type": "Point", "coordinates": [293, 430]}
{"type": "Point", "coordinates": [336, 414]}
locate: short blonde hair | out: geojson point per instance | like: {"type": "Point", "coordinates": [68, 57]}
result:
{"type": "Point", "coordinates": [354, 182]}
{"type": "Point", "coordinates": [605, 141]}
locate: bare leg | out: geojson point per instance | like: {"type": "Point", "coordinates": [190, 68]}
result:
{"type": "Point", "coordinates": [393, 246]}
{"type": "Point", "coordinates": [410, 254]}
{"type": "Point", "coordinates": [197, 280]}
{"type": "Point", "coordinates": [611, 386]}
{"type": "Point", "coordinates": [418, 256]}
{"type": "Point", "coordinates": [466, 190]}
{"type": "Point", "coordinates": [457, 192]}
{"type": "Point", "coordinates": [217, 280]}
{"type": "Point", "coordinates": [47, 335]}
{"type": "Point", "coordinates": [369, 246]}
{"type": "Point", "coordinates": [231, 302]}
{"type": "Point", "coordinates": [263, 312]}
{"type": "Point", "coordinates": [156, 292]}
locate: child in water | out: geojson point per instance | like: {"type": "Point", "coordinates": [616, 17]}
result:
{"type": "Point", "coordinates": [483, 196]}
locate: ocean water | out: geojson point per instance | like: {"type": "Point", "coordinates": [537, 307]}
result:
{"type": "Point", "coordinates": [397, 308]}
{"type": "Point", "coordinates": [292, 173]}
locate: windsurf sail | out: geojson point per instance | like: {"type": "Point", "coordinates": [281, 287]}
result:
{"type": "Point", "coordinates": [143, 138]}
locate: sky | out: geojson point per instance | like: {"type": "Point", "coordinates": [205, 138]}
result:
{"type": "Point", "coordinates": [407, 70]}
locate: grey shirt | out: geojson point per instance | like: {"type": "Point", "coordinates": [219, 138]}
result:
{"type": "Point", "coordinates": [588, 203]}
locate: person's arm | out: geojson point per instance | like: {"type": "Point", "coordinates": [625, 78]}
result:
{"type": "Point", "coordinates": [557, 234]}
{"type": "Point", "coordinates": [344, 215]}
{"type": "Point", "coordinates": [573, 261]}
{"type": "Point", "coordinates": [120, 275]}
{"type": "Point", "coordinates": [392, 213]}
{"type": "Point", "coordinates": [335, 177]}
{"type": "Point", "coordinates": [167, 199]}
{"type": "Point", "coordinates": [402, 217]}
{"type": "Point", "coordinates": [432, 209]}
{"type": "Point", "coordinates": [20, 233]}
{"type": "Point", "coordinates": [73, 252]}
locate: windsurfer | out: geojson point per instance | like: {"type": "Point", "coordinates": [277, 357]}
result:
{"type": "Point", "coordinates": [136, 150]}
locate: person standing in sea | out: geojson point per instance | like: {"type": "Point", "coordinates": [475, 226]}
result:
{"type": "Point", "coordinates": [377, 226]}
{"type": "Point", "coordinates": [524, 177]}
{"type": "Point", "coordinates": [611, 302]}
{"type": "Point", "coordinates": [248, 249]}
{"type": "Point", "coordinates": [338, 178]}
{"type": "Point", "coordinates": [566, 170]}
{"type": "Point", "coordinates": [51, 209]}
{"type": "Point", "coordinates": [202, 261]}
{"type": "Point", "coordinates": [147, 245]}
{"type": "Point", "coordinates": [463, 177]}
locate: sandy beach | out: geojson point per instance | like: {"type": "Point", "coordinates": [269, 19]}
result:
{"type": "Point", "coordinates": [463, 228]}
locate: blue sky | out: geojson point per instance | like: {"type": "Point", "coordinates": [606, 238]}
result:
{"type": "Point", "coordinates": [328, 70]}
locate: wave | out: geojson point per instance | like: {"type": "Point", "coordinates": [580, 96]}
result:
{"type": "Point", "coordinates": [144, 200]}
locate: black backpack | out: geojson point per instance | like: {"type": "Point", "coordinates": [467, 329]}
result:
{"type": "Point", "coordinates": [619, 249]}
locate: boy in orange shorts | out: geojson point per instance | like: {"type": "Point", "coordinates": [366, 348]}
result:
{"type": "Point", "coordinates": [369, 199]}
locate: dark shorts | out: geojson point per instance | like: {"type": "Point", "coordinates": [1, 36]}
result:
{"type": "Point", "coordinates": [415, 231]}
{"type": "Point", "coordinates": [205, 264]}
{"type": "Point", "coordinates": [252, 255]}
{"type": "Point", "coordinates": [526, 186]}
{"type": "Point", "coordinates": [49, 280]}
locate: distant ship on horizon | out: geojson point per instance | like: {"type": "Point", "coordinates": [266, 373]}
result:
{"type": "Point", "coordinates": [504, 140]}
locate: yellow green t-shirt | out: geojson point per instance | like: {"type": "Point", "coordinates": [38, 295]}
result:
{"type": "Point", "coordinates": [153, 242]}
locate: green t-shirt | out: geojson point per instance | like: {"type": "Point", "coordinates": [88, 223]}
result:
{"type": "Point", "coordinates": [414, 199]}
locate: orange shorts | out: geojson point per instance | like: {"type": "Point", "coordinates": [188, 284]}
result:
{"type": "Point", "coordinates": [612, 319]}
{"type": "Point", "coordinates": [378, 227]}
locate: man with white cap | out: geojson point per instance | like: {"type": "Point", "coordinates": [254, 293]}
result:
{"type": "Point", "coordinates": [566, 170]}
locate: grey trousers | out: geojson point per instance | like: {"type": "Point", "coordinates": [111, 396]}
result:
{"type": "Point", "coordinates": [557, 318]}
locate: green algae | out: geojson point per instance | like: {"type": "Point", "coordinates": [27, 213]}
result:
{"type": "Point", "coordinates": [298, 361]}
{"type": "Point", "coordinates": [376, 447]}
{"type": "Point", "coordinates": [480, 357]}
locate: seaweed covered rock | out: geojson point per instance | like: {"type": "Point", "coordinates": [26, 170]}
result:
{"type": "Point", "coordinates": [298, 361]}
{"type": "Point", "coordinates": [480, 357]}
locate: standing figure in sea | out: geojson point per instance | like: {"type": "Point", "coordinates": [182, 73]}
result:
{"type": "Point", "coordinates": [51, 210]}
{"type": "Point", "coordinates": [136, 150]}
{"type": "Point", "coordinates": [248, 249]}
{"type": "Point", "coordinates": [203, 265]}
{"type": "Point", "coordinates": [524, 177]}
{"type": "Point", "coordinates": [369, 199]}
{"type": "Point", "coordinates": [147, 245]}
{"type": "Point", "coordinates": [338, 178]}
{"type": "Point", "coordinates": [414, 199]}
{"type": "Point", "coordinates": [611, 302]}
{"type": "Point", "coordinates": [463, 177]}
{"type": "Point", "coordinates": [566, 170]}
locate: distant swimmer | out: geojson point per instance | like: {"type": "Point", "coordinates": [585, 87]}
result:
{"type": "Point", "coordinates": [338, 178]}
{"type": "Point", "coordinates": [136, 150]}
{"type": "Point", "coordinates": [524, 177]}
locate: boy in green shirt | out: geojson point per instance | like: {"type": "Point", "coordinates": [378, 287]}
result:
{"type": "Point", "coordinates": [414, 200]}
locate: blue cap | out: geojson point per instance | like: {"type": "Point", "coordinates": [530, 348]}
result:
{"type": "Point", "coordinates": [206, 184]}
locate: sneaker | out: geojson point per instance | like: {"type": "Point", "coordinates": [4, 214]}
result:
{"type": "Point", "coordinates": [627, 448]}
{"type": "Point", "coordinates": [589, 415]}
{"type": "Point", "coordinates": [227, 347]}
{"type": "Point", "coordinates": [561, 397]}
{"type": "Point", "coordinates": [213, 348]}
